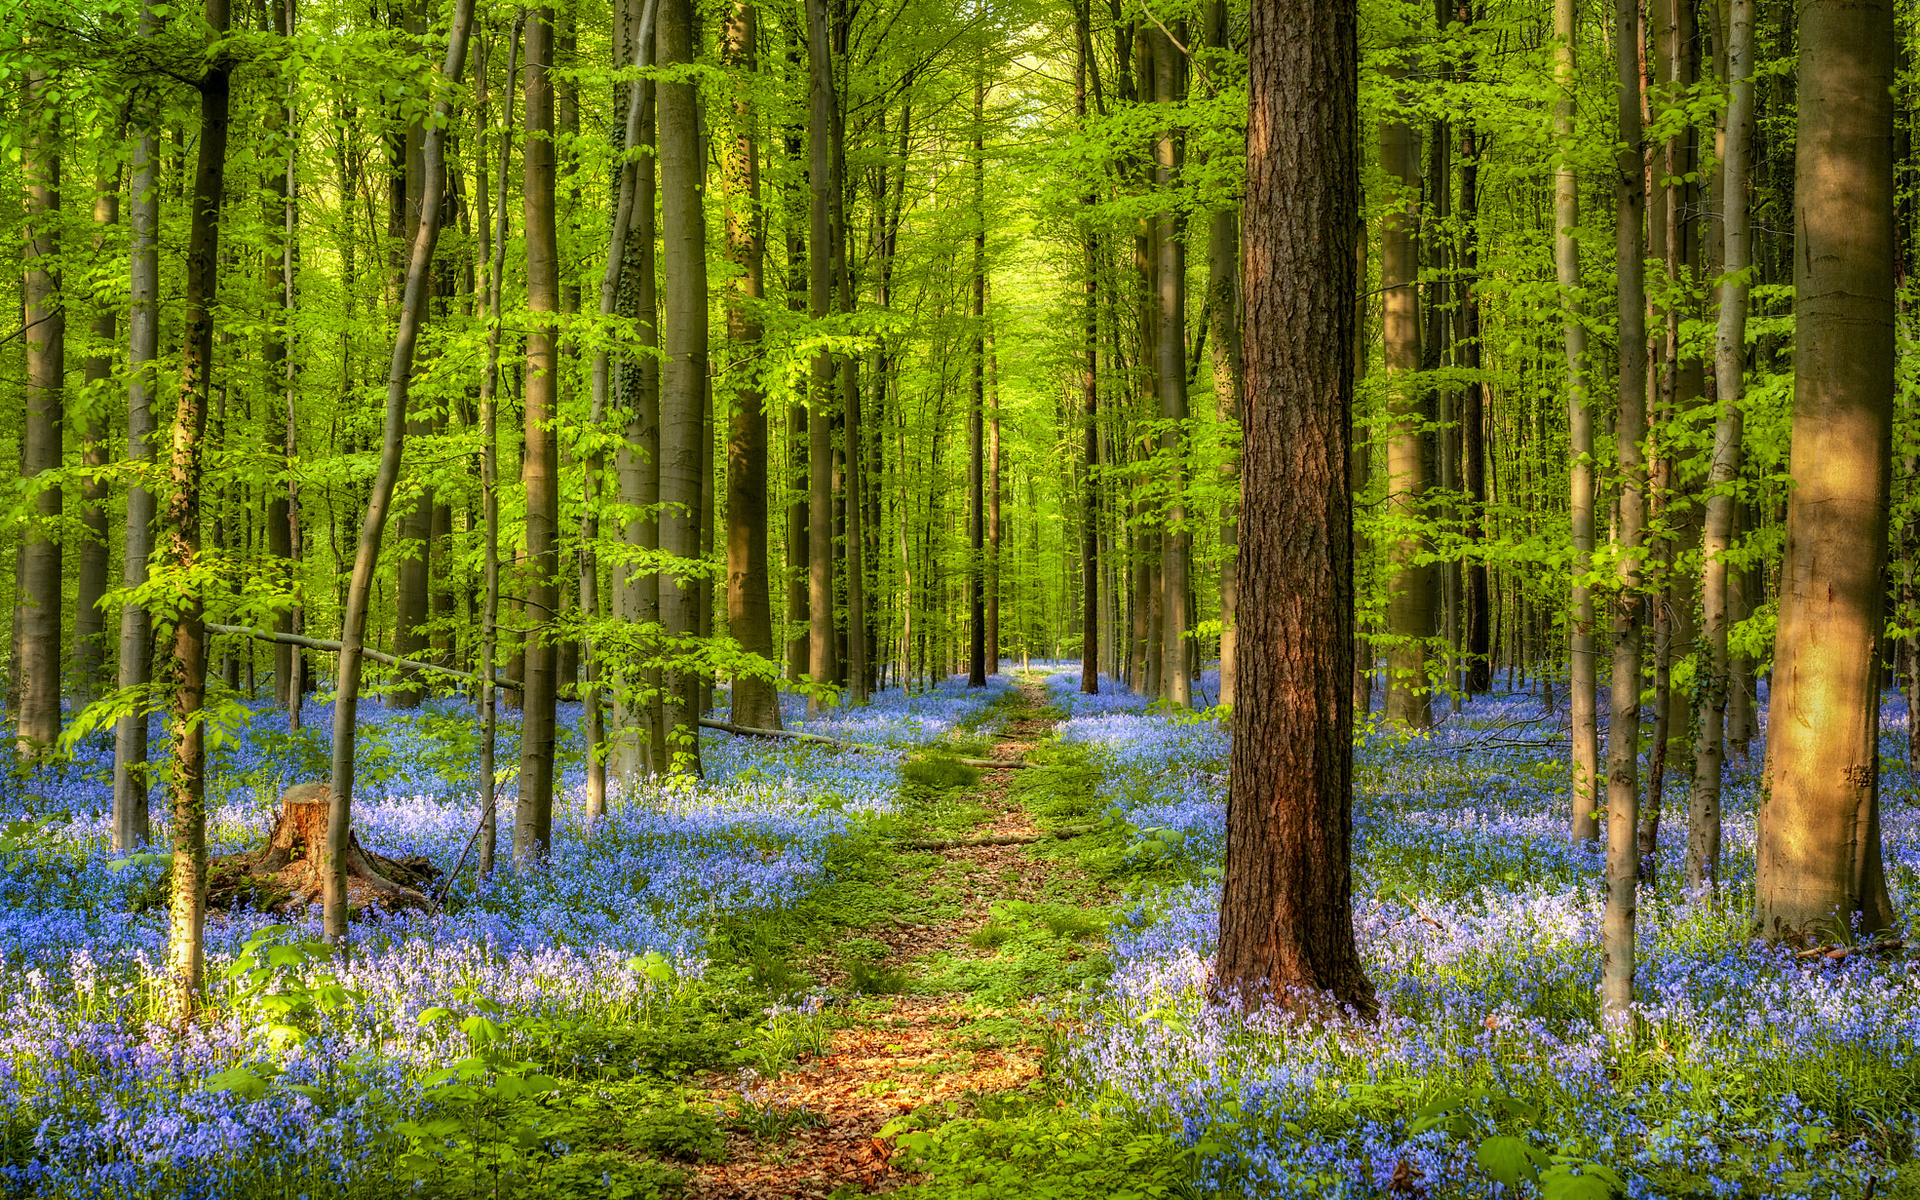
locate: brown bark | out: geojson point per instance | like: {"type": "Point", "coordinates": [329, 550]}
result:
{"type": "Point", "coordinates": [539, 471]}
{"type": "Point", "coordinates": [749, 614]}
{"type": "Point", "coordinates": [1819, 859]}
{"type": "Point", "coordinates": [38, 610]}
{"type": "Point", "coordinates": [976, 410]}
{"type": "Point", "coordinates": [90, 579]}
{"type": "Point", "coordinates": [1286, 920]}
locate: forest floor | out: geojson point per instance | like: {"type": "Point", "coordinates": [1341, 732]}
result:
{"type": "Point", "coordinates": [957, 1030]}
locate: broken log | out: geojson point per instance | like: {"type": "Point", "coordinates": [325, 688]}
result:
{"type": "Point", "coordinates": [997, 839]}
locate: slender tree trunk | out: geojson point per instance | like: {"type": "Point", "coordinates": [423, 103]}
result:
{"type": "Point", "coordinates": [539, 471]}
{"type": "Point", "coordinates": [617, 260]}
{"type": "Point", "coordinates": [1286, 921]}
{"type": "Point", "coordinates": [1730, 356]}
{"type": "Point", "coordinates": [90, 579]}
{"type": "Point", "coordinates": [684, 457]}
{"type": "Point", "coordinates": [186, 671]}
{"type": "Point", "coordinates": [130, 817]}
{"type": "Point", "coordinates": [1584, 683]}
{"type": "Point", "coordinates": [1170, 371]}
{"type": "Point", "coordinates": [820, 281]}
{"type": "Point", "coordinates": [993, 505]}
{"type": "Point", "coordinates": [1623, 738]}
{"type": "Point", "coordinates": [415, 302]}
{"type": "Point", "coordinates": [1410, 593]}
{"type": "Point", "coordinates": [38, 609]}
{"type": "Point", "coordinates": [749, 615]}
{"type": "Point", "coordinates": [1089, 390]}
{"type": "Point", "coordinates": [976, 410]}
{"type": "Point", "coordinates": [1819, 857]}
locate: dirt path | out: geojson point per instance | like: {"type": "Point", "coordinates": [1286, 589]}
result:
{"type": "Point", "coordinates": [900, 1052]}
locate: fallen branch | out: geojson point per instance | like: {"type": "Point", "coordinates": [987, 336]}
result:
{"type": "Point", "coordinates": [998, 839]}
{"type": "Point", "coordinates": [313, 643]}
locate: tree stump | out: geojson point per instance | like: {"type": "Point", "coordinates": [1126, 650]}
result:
{"type": "Point", "coordinates": [286, 872]}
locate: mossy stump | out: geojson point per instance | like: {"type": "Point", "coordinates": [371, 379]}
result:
{"type": "Point", "coordinates": [285, 873]}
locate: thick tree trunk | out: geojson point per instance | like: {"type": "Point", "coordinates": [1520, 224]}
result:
{"type": "Point", "coordinates": [1730, 356]}
{"type": "Point", "coordinates": [684, 457]}
{"type": "Point", "coordinates": [38, 609]}
{"type": "Point", "coordinates": [1819, 859]}
{"type": "Point", "coordinates": [1410, 591]}
{"type": "Point", "coordinates": [187, 670]}
{"type": "Point", "coordinates": [1286, 921]}
{"type": "Point", "coordinates": [1623, 738]}
{"type": "Point", "coordinates": [130, 816]}
{"type": "Point", "coordinates": [749, 614]}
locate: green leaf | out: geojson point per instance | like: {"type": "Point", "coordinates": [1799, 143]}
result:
{"type": "Point", "coordinates": [1510, 1160]}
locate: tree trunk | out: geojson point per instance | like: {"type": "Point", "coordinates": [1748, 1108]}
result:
{"type": "Point", "coordinates": [684, 457]}
{"type": "Point", "coordinates": [749, 614]}
{"type": "Point", "coordinates": [130, 816]}
{"type": "Point", "coordinates": [976, 409]}
{"type": "Point", "coordinates": [1819, 859]}
{"type": "Point", "coordinates": [90, 579]}
{"type": "Point", "coordinates": [37, 726]}
{"type": "Point", "coordinates": [820, 280]}
{"type": "Point", "coordinates": [1286, 920]}
{"type": "Point", "coordinates": [1623, 738]}
{"type": "Point", "coordinates": [353, 625]}
{"type": "Point", "coordinates": [1583, 679]}
{"type": "Point", "coordinates": [1730, 356]}
{"type": "Point", "coordinates": [1089, 390]}
{"type": "Point", "coordinates": [1410, 615]}
{"type": "Point", "coordinates": [539, 472]}
{"type": "Point", "coordinates": [1170, 373]}
{"type": "Point", "coordinates": [187, 670]}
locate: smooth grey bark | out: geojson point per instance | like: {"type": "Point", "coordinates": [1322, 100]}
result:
{"type": "Point", "coordinates": [38, 610]}
{"type": "Point", "coordinates": [90, 577]}
{"type": "Point", "coordinates": [820, 608]}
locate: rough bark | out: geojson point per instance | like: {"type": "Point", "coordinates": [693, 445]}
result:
{"type": "Point", "coordinates": [1819, 860]}
{"type": "Point", "coordinates": [1286, 920]}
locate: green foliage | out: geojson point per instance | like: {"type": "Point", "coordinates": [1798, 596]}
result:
{"type": "Point", "coordinates": [990, 936]}
{"type": "Point", "coordinates": [1042, 1154]}
{"type": "Point", "coordinates": [935, 773]}
{"type": "Point", "coordinates": [877, 979]}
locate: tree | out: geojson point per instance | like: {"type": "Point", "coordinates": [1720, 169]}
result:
{"type": "Point", "coordinates": [1582, 681]}
{"type": "Point", "coordinates": [540, 471]}
{"type": "Point", "coordinates": [749, 610]}
{"type": "Point", "coordinates": [187, 668]}
{"type": "Point", "coordinates": [1630, 430]}
{"type": "Point", "coordinates": [37, 621]}
{"type": "Point", "coordinates": [1730, 360]}
{"type": "Point", "coordinates": [414, 305]}
{"type": "Point", "coordinates": [130, 817]}
{"type": "Point", "coordinates": [1818, 851]}
{"type": "Point", "coordinates": [685, 457]}
{"type": "Point", "coordinates": [1286, 918]}
{"type": "Point", "coordinates": [1410, 615]}
{"type": "Point", "coordinates": [976, 410]}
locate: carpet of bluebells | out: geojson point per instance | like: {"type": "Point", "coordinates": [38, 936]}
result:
{"type": "Point", "coordinates": [101, 1100]}
{"type": "Point", "coordinates": [1751, 1071]}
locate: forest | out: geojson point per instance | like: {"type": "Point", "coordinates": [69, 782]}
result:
{"type": "Point", "coordinates": [1149, 599]}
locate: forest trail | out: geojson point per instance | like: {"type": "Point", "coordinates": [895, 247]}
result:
{"type": "Point", "coordinates": [898, 1053]}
